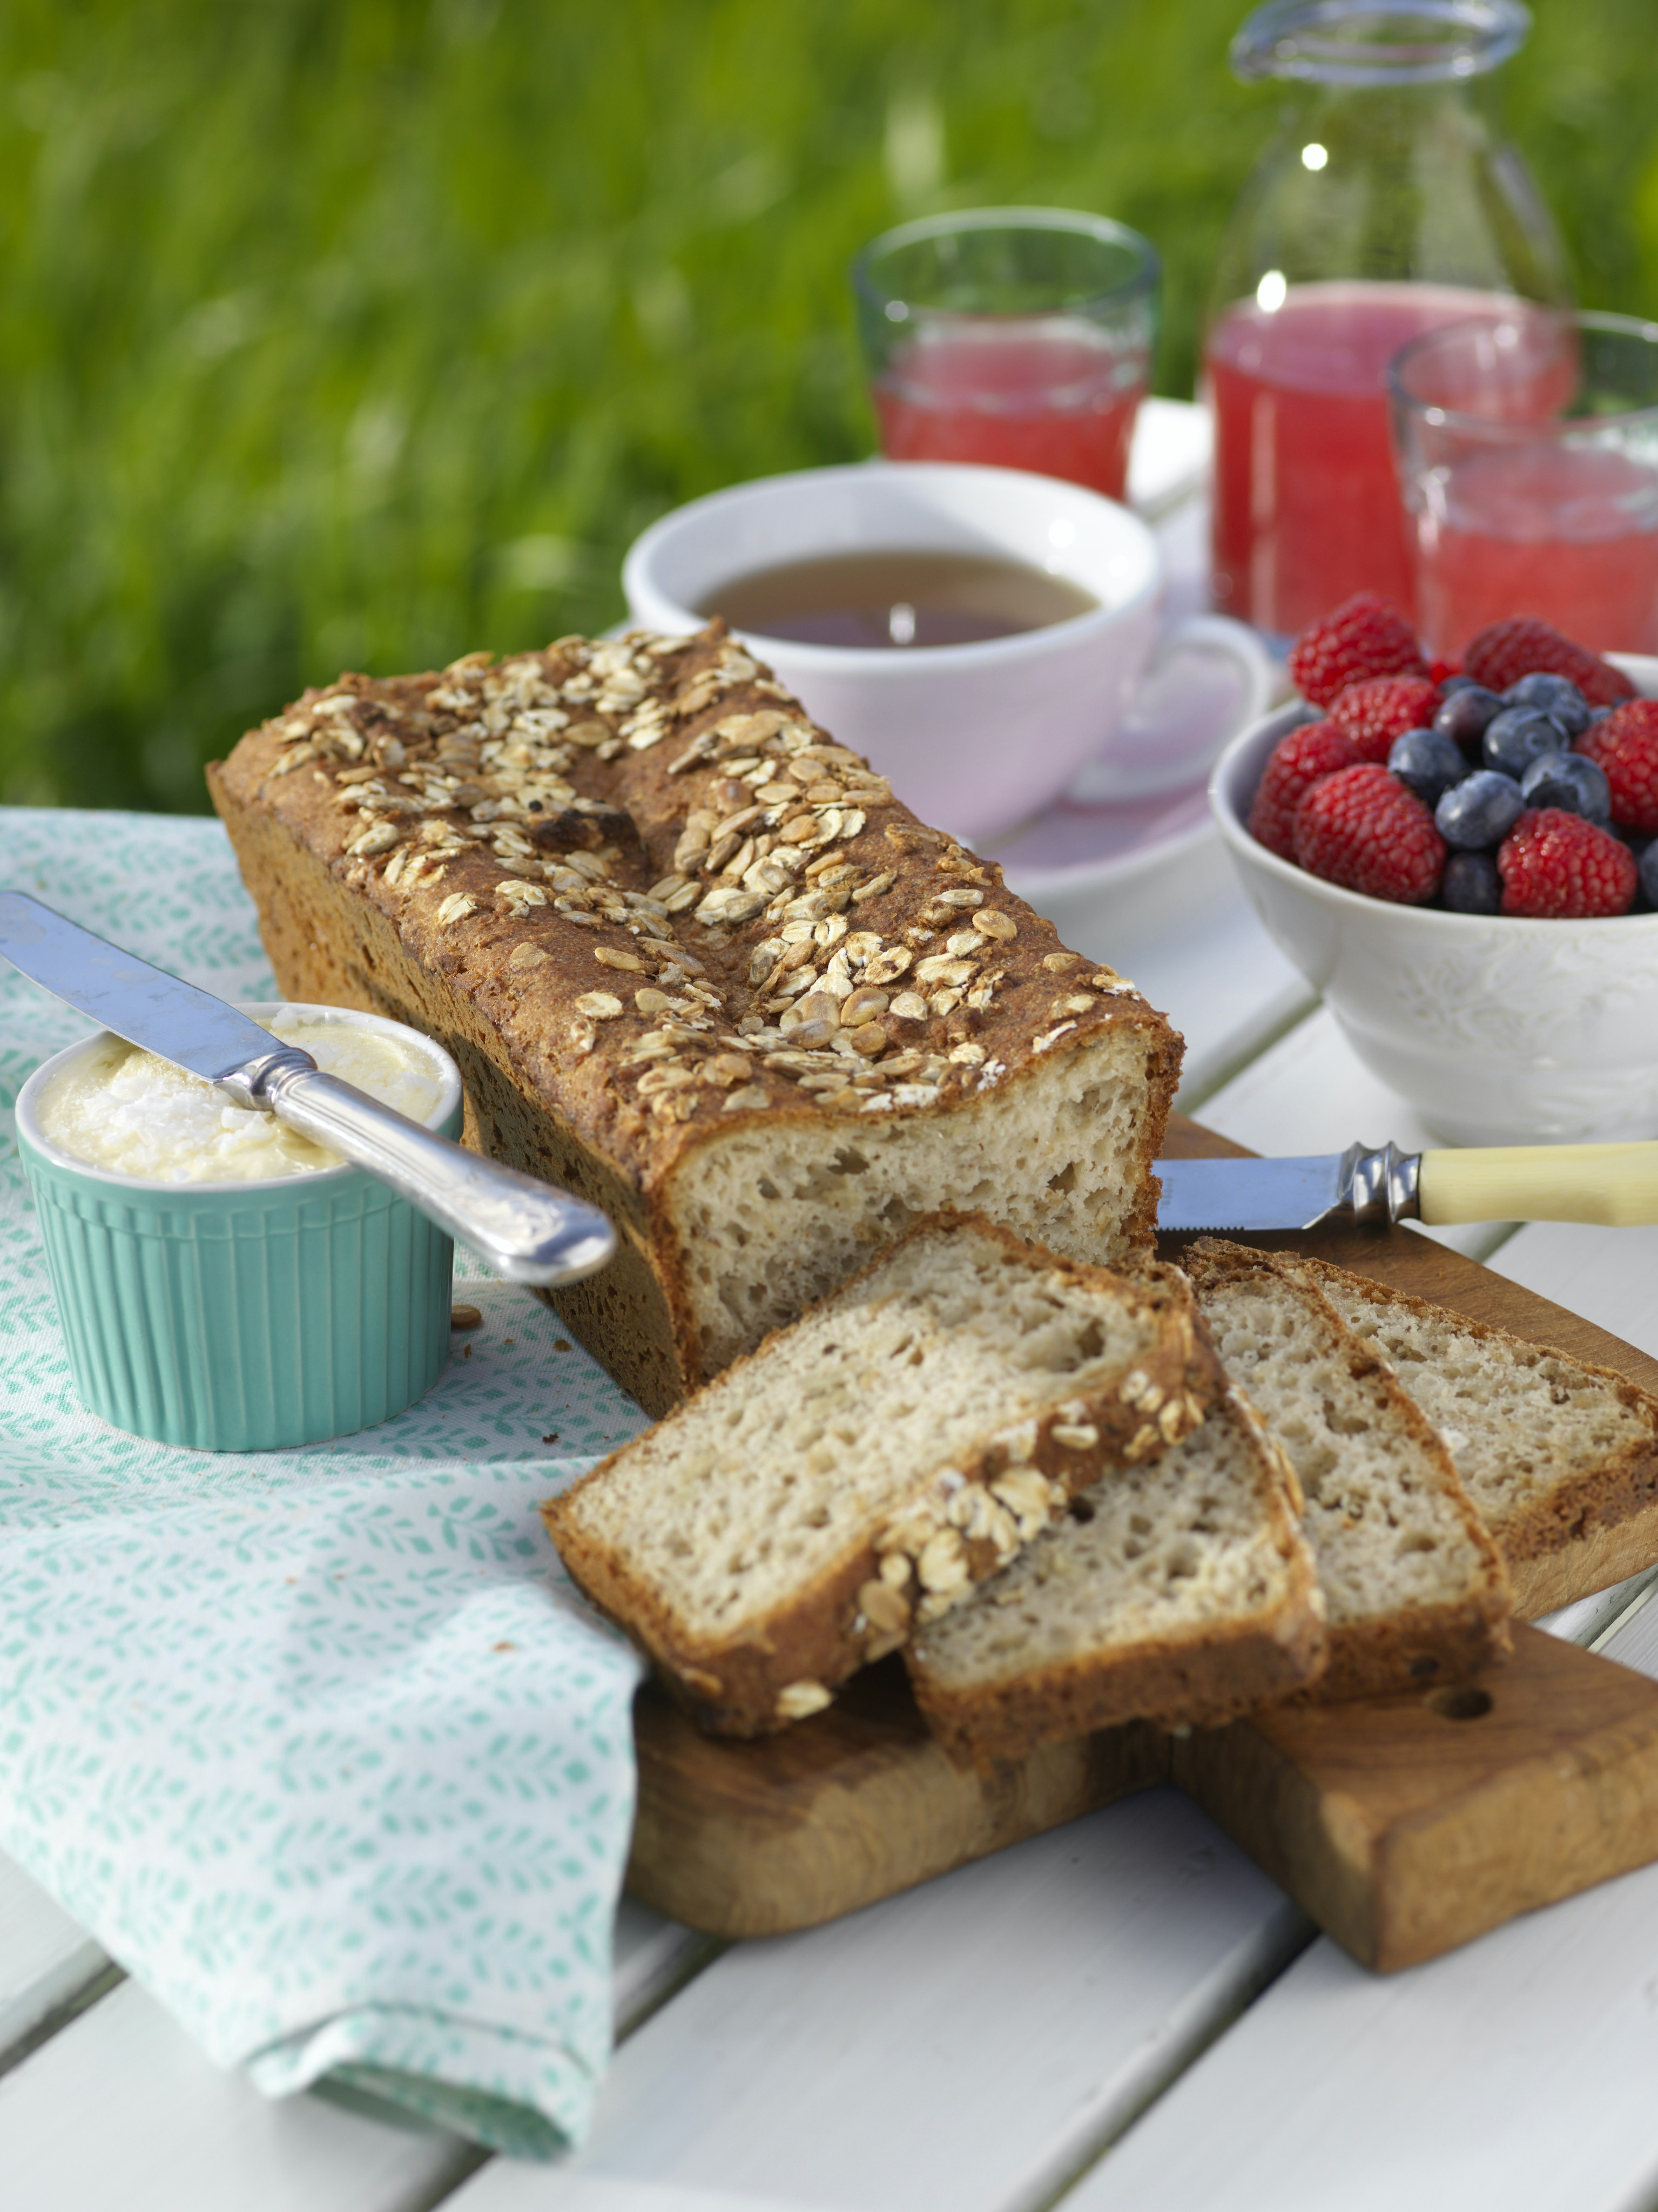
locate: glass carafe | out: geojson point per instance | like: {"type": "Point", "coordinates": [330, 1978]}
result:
{"type": "Point", "coordinates": [1385, 206]}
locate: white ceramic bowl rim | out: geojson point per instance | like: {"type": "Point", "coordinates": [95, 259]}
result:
{"type": "Point", "coordinates": [881, 659]}
{"type": "Point", "coordinates": [1428, 919]}
{"type": "Point", "coordinates": [449, 1096]}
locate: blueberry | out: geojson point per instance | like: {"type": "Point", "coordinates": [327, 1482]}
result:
{"type": "Point", "coordinates": [1457, 683]}
{"type": "Point", "coordinates": [1649, 873]}
{"type": "Point", "coordinates": [1479, 810]}
{"type": "Point", "coordinates": [1568, 780]}
{"type": "Point", "coordinates": [1598, 714]}
{"type": "Point", "coordinates": [1471, 883]}
{"type": "Point", "coordinates": [1466, 713]}
{"type": "Point", "coordinates": [1556, 695]}
{"type": "Point", "coordinates": [1514, 737]}
{"type": "Point", "coordinates": [1428, 761]}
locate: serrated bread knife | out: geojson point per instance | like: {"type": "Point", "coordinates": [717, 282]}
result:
{"type": "Point", "coordinates": [527, 1231]}
{"type": "Point", "coordinates": [1613, 1184]}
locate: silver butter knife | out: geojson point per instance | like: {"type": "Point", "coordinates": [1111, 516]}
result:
{"type": "Point", "coordinates": [525, 1228]}
{"type": "Point", "coordinates": [1616, 1185]}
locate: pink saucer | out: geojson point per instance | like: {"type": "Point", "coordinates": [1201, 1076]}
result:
{"type": "Point", "coordinates": [1108, 827]}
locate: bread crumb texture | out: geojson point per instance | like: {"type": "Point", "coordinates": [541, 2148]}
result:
{"type": "Point", "coordinates": [1543, 1442]}
{"type": "Point", "coordinates": [1181, 1590]}
{"type": "Point", "coordinates": [857, 1474]}
{"type": "Point", "coordinates": [1398, 1544]}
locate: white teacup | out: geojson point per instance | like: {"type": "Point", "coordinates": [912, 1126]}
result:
{"type": "Point", "coordinates": [976, 738]}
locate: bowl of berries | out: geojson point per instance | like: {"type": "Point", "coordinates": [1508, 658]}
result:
{"type": "Point", "coordinates": [1465, 862]}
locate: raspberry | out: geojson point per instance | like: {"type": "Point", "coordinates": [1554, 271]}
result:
{"type": "Point", "coordinates": [1555, 866]}
{"type": "Point", "coordinates": [1361, 829]}
{"type": "Point", "coordinates": [1505, 651]}
{"type": "Point", "coordinates": [1625, 748]}
{"type": "Point", "coordinates": [1315, 750]}
{"type": "Point", "coordinates": [1439, 670]}
{"type": "Point", "coordinates": [1382, 708]}
{"type": "Point", "coordinates": [1364, 637]}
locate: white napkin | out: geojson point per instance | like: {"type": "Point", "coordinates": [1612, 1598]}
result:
{"type": "Point", "coordinates": [320, 1744]}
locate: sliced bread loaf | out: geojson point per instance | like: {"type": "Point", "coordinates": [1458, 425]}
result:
{"type": "Point", "coordinates": [1413, 1587]}
{"type": "Point", "coordinates": [1181, 1590]}
{"type": "Point", "coordinates": [863, 1468]}
{"type": "Point", "coordinates": [1560, 1458]}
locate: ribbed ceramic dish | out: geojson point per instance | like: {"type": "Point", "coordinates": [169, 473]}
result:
{"type": "Point", "coordinates": [243, 1316]}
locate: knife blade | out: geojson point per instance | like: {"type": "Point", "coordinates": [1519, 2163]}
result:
{"type": "Point", "coordinates": [1245, 1195]}
{"type": "Point", "coordinates": [142, 1004]}
{"type": "Point", "coordinates": [528, 1230]}
{"type": "Point", "coordinates": [1616, 1185]}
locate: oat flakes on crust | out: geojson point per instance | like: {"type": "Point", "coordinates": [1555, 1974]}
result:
{"type": "Point", "coordinates": [651, 906]}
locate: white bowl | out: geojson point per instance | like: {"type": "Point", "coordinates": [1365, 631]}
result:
{"type": "Point", "coordinates": [1498, 1031]}
{"type": "Point", "coordinates": [973, 736]}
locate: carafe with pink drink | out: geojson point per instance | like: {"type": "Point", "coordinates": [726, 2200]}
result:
{"type": "Point", "coordinates": [1386, 206]}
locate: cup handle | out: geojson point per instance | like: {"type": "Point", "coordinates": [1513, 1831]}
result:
{"type": "Point", "coordinates": [1112, 779]}
{"type": "Point", "coordinates": [1263, 677]}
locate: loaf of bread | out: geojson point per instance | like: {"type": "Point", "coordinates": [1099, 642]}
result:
{"type": "Point", "coordinates": [857, 1474]}
{"type": "Point", "coordinates": [1181, 1590]}
{"type": "Point", "coordinates": [1414, 1591]}
{"type": "Point", "coordinates": [1559, 1458]}
{"type": "Point", "coordinates": [697, 964]}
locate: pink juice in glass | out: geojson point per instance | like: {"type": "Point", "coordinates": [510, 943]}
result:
{"type": "Point", "coordinates": [1059, 401]}
{"type": "Point", "coordinates": [1569, 533]}
{"type": "Point", "coordinates": [1307, 506]}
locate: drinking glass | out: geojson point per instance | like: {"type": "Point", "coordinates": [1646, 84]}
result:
{"type": "Point", "coordinates": [1018, 336]}
{"type": "Point", "coordinates": [1527, 455]}
{"type": "Point", "coordinates": [1386, 205]}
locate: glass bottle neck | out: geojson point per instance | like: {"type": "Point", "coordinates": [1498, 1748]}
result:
{"type": "Point", "coordinates": [1366, 45]}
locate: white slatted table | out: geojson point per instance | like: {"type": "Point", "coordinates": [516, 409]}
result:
{"type": "Point", "coordinates": [1122, 2016]}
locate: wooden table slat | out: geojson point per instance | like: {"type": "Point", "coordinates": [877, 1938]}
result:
{"type": "Point", "coordinates": [1188, 936]}
{"type": "Point", "coordinates": [964, 2047]}
{"type": "Point", "coordinates": [122, 2109]}
{"type": "Point", "coordinates": [1517, 2072]}
{"type": "Point", "coordinates": [175, 2134]}
{"type": "Point", "coordinates": [45, 1959]}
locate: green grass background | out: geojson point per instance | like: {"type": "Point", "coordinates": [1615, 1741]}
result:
{"type": "Point", "coordinates": [363, 332]}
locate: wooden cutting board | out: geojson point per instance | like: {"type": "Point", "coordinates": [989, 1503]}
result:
{"type": "Point", "coordinates": [1403, 1826]}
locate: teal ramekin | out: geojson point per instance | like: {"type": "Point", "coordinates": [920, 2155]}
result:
{"type": "Point", "coordinates": [243, 1316]}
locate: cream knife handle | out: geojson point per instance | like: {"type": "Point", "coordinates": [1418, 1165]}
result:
{"type": "Point", "coordinates": [1617, 1184]}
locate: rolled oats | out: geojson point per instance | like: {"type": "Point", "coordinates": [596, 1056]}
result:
{"type": "Point", "coordinates": [797, 1701]}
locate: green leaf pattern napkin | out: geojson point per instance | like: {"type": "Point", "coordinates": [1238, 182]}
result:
{"type": "Point", "coordinates": [320, 1744]}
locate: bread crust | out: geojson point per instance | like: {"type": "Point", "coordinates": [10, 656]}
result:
{"type": "Point", "coordinates": [396, 867]}
{"type": "Point", "coordinates": [1202, 1682]}
{"type": "Point", "coordinates": [732, 1685]}
{"type": "Point", "coordinates": [1590, 1530]}
{"type": "Point", "coordinates": [1415, 1646]}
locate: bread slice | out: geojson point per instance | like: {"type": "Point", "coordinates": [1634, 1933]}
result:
{"type": "Point", "coordinates": [1181, 1591]}
{"type": "Point", "coordinates": [1414, 1590]}
{"type": "Point", "coordinates": [864, 1467]}
{"type": "Point", "coordinates": [1559, 1458]}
